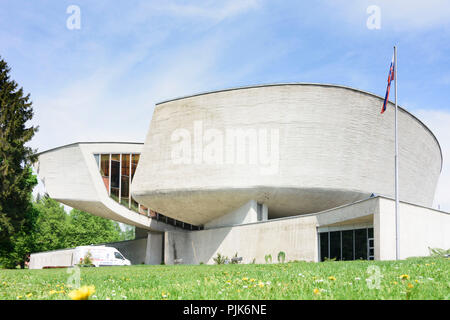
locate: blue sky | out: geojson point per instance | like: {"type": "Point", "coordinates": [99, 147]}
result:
{"type": "Point", "coordinates": [101, 82]}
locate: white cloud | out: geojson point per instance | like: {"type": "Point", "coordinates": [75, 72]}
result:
{"type": "Point", "coordinates": [438, 121]}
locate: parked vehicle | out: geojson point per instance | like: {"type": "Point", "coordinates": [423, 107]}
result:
{"type": "Point", "coordinates": [100, 256]}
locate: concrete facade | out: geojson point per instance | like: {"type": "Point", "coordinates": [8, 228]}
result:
{"type": "Point", "coordinates": [298, 236]}
{"type": "Point", "coordinates": [420, 229]}
{"type": "Point", "coordinates": [332, 147]}
{"type": "Point", "coordinates": [248, 213]}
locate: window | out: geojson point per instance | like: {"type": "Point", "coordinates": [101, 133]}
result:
{"type": "Point", "coordinates": [361, 244]}
{"type": "Point", "coordinates": [115, 176]}
{"type": "Point", "coordinates": [335, 245]}
{"type": "Point", "coordinates": [323, 246]}
{"type": "Point", "coordinates": [347, 244]}
{"type": "Point", "coordinates": [118, 256]}
{"type": "Point", "coordinates": [104, 169]}
{"type": "Point", "coordinates": [125, 181]}
{"type": "Point", "coordinates": [117, 171]}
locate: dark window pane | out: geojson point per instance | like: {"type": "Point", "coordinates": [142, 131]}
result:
{"type": "Point", "coordinates": [125, 165]}
{"type": "Point", "coordinates": [115, 194]}
{"type": "Point", "coordinates": [347, 245]}
{"type": "Point", "coordinates": [125, 191]}
{"type": "Point", "coordinates": [134, 205]}
{"type": "Point", "coordinates": [104, 170]}
{"type": "Point", "coordinates": [115, 174]}
{"type": "Point", "coordinates": [361, 244]}
{"type": "Point", "coordinates": [370, 233]}
{"type": "Point", "coordinates": [335, 245]}
{"type": "Point", "coordinates": [323, 246]}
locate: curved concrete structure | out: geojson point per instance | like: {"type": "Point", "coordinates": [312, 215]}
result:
{"type": "Point", "coordinates": [304, 148]}
{"type": "Point", "coordinates": [71, 176]}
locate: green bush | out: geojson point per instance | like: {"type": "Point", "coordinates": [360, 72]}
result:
{"type": "Point", "coordinates": [87, 260]}
{"type": "Point", "coordinates": [281, 257]}
{"type": "Point", "coordinates": [437, 252]}
{"type": "Point", "coordinates": [220, 259]}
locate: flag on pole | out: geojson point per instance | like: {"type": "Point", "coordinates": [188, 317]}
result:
{"type": "Point", "coordinates": [390, 78]}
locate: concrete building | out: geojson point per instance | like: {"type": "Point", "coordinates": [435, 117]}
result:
{"type": "Point", "coordinates": [307, 169]}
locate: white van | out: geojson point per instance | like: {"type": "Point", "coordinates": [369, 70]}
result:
{"type": "Point", "coordinates": [100, 256]}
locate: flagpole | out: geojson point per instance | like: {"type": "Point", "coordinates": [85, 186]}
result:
{"type": "Point", "coordinates": [397, 234]}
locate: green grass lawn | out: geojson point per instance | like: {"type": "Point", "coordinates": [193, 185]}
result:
{"type": "Point", "coordinates": [423, 278]}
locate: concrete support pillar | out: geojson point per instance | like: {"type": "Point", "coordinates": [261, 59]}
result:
{"type": "Point", "coordinates": [153, 250]}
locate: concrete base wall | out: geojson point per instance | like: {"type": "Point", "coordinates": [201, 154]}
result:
{"type": "Point", "coordinates": [296, 237]}
{"type": "Point", "coordinates": [154, 248]}
{"type": "Point", "coordinates": [420, 229]}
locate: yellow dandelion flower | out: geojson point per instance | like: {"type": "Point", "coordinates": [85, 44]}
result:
{"type": "Point", "coordinates": [82, 293]}
{"type": "Point", "coordinates": [245, 279]}
{"type": "Point", "coordinates": [404, 277]}
{"type": "Point", "coordinates": [395, 282]}
{"type": "Point", "coordinates": [316, 291]}
{"type": "Point", "coordinates": [416, 281]}
{"type": "Point", "coordinates": [51, 292]}
{"type": "Point", "coordinates": [331, 278]}
{"type": "Point", "coordinates": [29, 295]}
{"type": "Point", "coordinates": [410, 286]}
{"type": "Point", "coordinates": [260, 284]}
{"type": "Point", "coordinates": [252, 280]}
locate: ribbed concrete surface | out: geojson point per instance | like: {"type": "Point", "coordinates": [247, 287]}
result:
{"type": "Point", "coordinates": [334, 148]}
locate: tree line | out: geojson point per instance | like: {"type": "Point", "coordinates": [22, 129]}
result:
{"type": "Point", "coordinates": [52, 228]}
{"type": "Point", "coordinates": [28, 225]}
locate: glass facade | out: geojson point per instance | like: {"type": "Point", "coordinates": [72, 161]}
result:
{"type": "Point", "coordinates": [117, 171]}
{"type": "Point", "coordinates": [104, 169]}
{"type": "Point", "coordinates": [353, 244]}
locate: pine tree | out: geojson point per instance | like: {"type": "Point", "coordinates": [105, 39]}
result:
{"type": "Point", "coordinates": [16, 177]}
